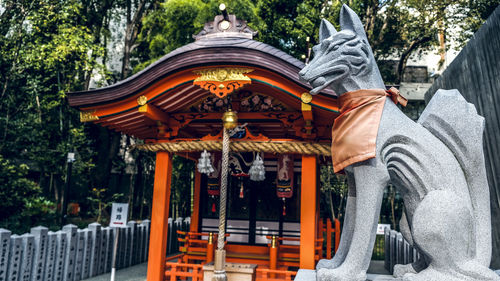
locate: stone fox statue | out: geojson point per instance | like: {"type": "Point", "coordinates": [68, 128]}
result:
{"type": "Point", "coordinates": [437, 164]}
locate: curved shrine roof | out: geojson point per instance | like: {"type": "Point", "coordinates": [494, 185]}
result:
{"type": "Point", "coordinates": [169, 100]}
{"type": "Point", "coordinates": [203, 52]}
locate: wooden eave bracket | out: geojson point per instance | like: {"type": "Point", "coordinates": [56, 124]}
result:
{"type": "Point", "coordinates": [157, 116]}
{"type": "Point", "coordinates": [153, 113]}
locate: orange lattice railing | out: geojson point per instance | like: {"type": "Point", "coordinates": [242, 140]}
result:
{"type": "Point", "coordinates": [330, 230]}
{"type": "Point", "coordinates": [181, 271]}
{"type": "Point", "coordinates": [274, 275]}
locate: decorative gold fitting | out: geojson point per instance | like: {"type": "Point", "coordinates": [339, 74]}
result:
{"type": "Point", "coordinates": [210, 238]}
{"type": "Point", "coordinates": [223, 74]}
{"type": "Point", "coordinates": [88, 116]}
{"type": "Point", "coordinates": [306, 107]}
{"type": "Point", "coordinates": [230, 119]}
{"type": "Point", "coordinates": [142, 100]}
{"type": "Point", "coordinates": [306, 97]}
{"type": "Point", "coordinates": [143, 108]}
{"type": "Point", "coordinates": [273, 241]}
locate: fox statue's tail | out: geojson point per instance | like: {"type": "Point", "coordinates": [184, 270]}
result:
{"type": "Point", "coordinates": [456, 123]}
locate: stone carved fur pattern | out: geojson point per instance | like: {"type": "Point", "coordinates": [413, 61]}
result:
{"type": "Point", "coordinates": [437, 164]}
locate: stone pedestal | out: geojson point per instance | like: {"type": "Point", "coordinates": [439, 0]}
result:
{"type": "Point", "coordinates": [234, 271]}
{"type": "Point", "coordinates": [310, 275]}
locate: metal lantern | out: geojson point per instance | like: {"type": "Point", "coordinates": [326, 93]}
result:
{"type": "Point", "coordinates": [230, 119]}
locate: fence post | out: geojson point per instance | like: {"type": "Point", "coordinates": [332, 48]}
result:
{"type": "Point", "coordinates": [15, 254]}
{"type": "Point", "coordinates": [400, 249]}
{"type": "Point", "coordinates": [95, 229]}
{"type": "Point", "coordinates": [28, 242]}
{"type": "Point", "coordinates": [393, 251]}
{"type": "Point", "coordinates": [112, 233]}
{"type": "Point", "coordinates": [147, 225]}
{"type": "Point", "coordinates": [50, 261]}
{"type": "Point", "coordinates": [4, 252]}
{"type": "Point", "coordinates": [133, 243]}
{"type": "Point", "coordinates": [140, 243]}
{"type": "Point", "coordinates": [40, 251]}
{"type": "Point", "coordinates": [170, 234]}
{"type": "Point", "coordinates": [387, 248]}
{"type": "Point", "coordinates": [69, 262]}
{"type": "Point", "coordinates": [187, 224]}
{"type": "Point", "coordinates": [101, 262]}
{"type": "Point", "coordinates": [87, 242]}
{"type": "Point", "coordinates": [62, 241]}
{"type": "Point", "coordinates": [107, 245]}
{"type": "Point", "coordinates": [80, 248]}
{"type": "Point", "coordinates": [406, 252]}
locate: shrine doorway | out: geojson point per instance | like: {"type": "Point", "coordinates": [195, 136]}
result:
{"type": "Point", "coordinates": [254, 210]}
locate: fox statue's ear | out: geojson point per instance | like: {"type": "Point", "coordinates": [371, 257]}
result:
{"type": "Point", "coordinates": [349, 20]}
{"type": "Point", "coordinates": [326, 29]}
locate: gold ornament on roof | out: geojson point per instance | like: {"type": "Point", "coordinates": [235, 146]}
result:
{"type": "Point", "coordinates": [222, 81]}
{"type": "Point", "coordinates": [142, 100]}
{"type": "Point", "coordinates": [223, 74]}
{"type": "Point", "coordinates": [88, 116]}
{"type": "Point", "coordinates": [306, 97]}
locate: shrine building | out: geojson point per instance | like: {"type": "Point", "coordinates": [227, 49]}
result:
{"type": "Point", "coordinates": [176, 106]}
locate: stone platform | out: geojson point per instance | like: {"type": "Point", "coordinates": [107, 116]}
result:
{"type": "Point", "coordinates": [310, 275]}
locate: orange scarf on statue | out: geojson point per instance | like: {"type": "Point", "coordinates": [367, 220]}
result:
{"type": "Point", "coordinates": [354, 132]}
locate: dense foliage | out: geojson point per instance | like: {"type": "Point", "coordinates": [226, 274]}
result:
{"type": "Point", "coordinates": [51, 47]}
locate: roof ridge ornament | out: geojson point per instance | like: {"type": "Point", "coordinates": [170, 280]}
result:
{"type": "Point", "coordinates": [225, 25]}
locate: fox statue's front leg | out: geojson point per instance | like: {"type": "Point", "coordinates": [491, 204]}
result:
{"type": "Point", "coordinates": [347, 229]}
{"type": "Point", "coordinates": [370, 179]}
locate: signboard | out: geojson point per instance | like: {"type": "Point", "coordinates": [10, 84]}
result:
{"type": "Point", "coordinates": [381, 227]}
{"type": "Point", "coordinates": [119, 213]}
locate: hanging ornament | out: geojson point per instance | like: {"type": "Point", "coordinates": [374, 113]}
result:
{"type": "Point", "coordinates": [242, 194]}
{"type": "Point", "coordinates": [205, 163]}
{"type": "Point", "coordinates": [285, 176]}
{"type": "Point", "coordinates": [284, 206]}
{"type": "Point", "coordinates": [213, 178]}
{"type": "Point", "coordinates": [257, 170]}
{"type": "Point", "coordinates": [213, 204]}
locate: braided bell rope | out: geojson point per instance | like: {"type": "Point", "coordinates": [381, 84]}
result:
{"type": "Point", "coordinates": [223, 190]}
{"type": "Point", "coordinates": [241, 146]}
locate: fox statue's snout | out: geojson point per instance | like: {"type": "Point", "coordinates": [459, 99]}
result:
{"type": "Point", "coordinates": [342, 58]}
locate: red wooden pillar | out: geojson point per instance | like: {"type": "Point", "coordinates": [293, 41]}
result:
{"type": "Point", "coordinates": [195, 216]}
{"type": "Point", "coordinates": [308, 209]}
{"type": "Point", "coordinates": [337, 234]}
{"type": "Point", "coordinates": [159, 217]}
{"type": "Point", "coordinates": [328, 238]}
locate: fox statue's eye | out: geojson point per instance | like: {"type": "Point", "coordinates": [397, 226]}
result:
{"type": "Point", "coordinates": [336, 47]}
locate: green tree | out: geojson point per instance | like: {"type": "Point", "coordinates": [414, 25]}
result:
{"type": "Point", "coordinates": [22, 203]}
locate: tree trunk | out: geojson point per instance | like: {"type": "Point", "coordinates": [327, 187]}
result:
{"type": "Point", "coordinates": [131, 32]}
{"type": "Point", "coordinates": [107, 148]}
{"type": "Point", "coordinates": [330, 201]}
{"type": "Point", "coordinates": [415, 44]}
